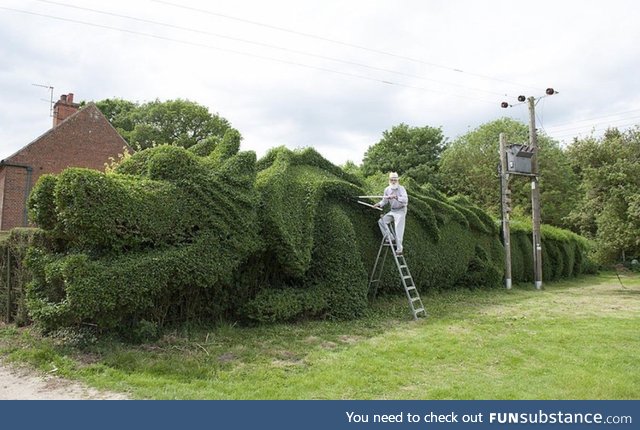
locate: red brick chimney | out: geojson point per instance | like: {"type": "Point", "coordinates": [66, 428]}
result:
{"type": "Point", "coordinates": [64, 108]}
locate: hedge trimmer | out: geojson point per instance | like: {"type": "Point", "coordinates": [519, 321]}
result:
{"type": "Point", "coordinates": [368, 204]}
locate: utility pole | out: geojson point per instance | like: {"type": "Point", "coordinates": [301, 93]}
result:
{"type": "Point", "coordinates": [535, 196]}
{"type": "Point", "coordinates": [506, 208]}
{"type": "Point", "coordinates": [523, 160]}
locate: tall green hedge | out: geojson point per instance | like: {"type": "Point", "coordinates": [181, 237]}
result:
{"type": "Point", "coordinates": [159, 239]}
{"type": "Point", "coordinates": [318, 235]}
{"type": "Point", "coordinates": [175, 234]}
{"type": "Point", "coordinates": [564, 254]}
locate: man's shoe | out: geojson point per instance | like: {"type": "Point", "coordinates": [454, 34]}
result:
{"type": "Point", "coordinates": [398, 253]}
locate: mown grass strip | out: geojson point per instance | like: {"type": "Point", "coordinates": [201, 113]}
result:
{"type": "Point", "coordinates": [573, 340]}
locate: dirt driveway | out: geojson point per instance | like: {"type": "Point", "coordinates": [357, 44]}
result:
{"type": "Point", "coordinates": [23, 384]}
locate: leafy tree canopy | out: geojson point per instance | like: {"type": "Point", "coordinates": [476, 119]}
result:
{"type": "Point", "coordinates": [410, 151]}
{"type": "Point", "coordinates": [469, 166]}
{"type": "Point", "coordinates": [609, 210]}
{"type": "Point", "coordinates": [176, 122]}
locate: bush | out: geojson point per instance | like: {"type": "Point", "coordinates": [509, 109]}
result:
{"type": "Point", "coordinates": [14, 275]}
{"type": "Point", "coordinates": [564, 254]}
{"type": "Point", "coordinates": [161, 242]}
{"type": "Point", "coordinates": [211, 233]}
{"type": "Point", "coordinates": [308, 211]}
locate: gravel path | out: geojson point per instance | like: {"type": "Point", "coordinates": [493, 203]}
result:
{"type": "Point", "coordinates": [24, 384]}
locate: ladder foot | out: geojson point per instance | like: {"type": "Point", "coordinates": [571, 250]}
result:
{"type": "Point", "coordinates": [405, 277]}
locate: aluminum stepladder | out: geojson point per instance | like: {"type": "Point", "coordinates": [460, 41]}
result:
{"type": "Point", "coordinates": [415, 303]}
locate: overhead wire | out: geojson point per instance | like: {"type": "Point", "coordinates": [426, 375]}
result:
{"type": "Point", "coordinates": [552, 129]}
{"type": "Point", "coordinates": [267, 45]}
{"type": "Point", "coordinates": [279, 60]}
{"type": "Point", "coordinates": [593, 130]}
{"type": "Point", "coordinates": [339, 42]}
{"type": "Point", "coordinates": [565, 132]}
{"type": "Point", "coordinates": [572, 123]}
{"type": "Point", "coordinates": [598, 123]}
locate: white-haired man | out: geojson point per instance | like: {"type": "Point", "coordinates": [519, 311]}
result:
{"type": "Point", "coordinates": [397, 197]}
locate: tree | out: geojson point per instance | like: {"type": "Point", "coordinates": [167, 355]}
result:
{"type": "Point", "coordinates": [352, 168]}
{"type": "Point", "coordinates": [609, 210]}
{"type": "Point", "coordinates": [177, 122]}
{"type": "Point", "coordinates": [119, 113]}
{"type": "Point", "coordinates": [469, 166]}
{"type": "Point", "coordinates": [558, 185]}
{"type": "Point", "coordinates": [410, 151]}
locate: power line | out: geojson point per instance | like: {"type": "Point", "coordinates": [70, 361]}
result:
{"type": "Point", "coordinates": [568, 129]}
{"type": "Point", "coordinates": [338, 42]}
{"type": "Point", "coordinates": [263, 57]}
{"type": "Point", "coordinates": [266, 45]}
{"type": "Point", "coordinates": [564, 136]}
{"type": "Point", "coordinates": [571, 123]}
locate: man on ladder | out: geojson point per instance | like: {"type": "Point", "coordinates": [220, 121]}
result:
{"type": "Point", "coordinates": [397, 197]}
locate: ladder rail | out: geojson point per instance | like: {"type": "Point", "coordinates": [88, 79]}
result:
{"type": "Point", "coordinates": [415, 302]}
{"type": "Point", "coordinates": [411, 291]}
{"type": "Point", "coordinates": [374, 279]}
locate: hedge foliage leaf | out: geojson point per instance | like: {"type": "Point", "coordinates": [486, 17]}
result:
{"type": "Point", "coordinates": [210, 232]}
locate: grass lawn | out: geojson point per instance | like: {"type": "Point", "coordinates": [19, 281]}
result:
{"type": "Point", "coordinates": [578, 339]}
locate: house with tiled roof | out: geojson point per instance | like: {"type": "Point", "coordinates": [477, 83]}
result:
{"type": "Point", "coordinates": [80, 137]}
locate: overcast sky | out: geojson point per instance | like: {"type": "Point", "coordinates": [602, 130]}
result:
{"type": "Point", "coordinates": [328, 74]}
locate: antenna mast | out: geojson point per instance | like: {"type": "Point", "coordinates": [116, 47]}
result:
{"type": "Point", "coordinates": [50, 98]}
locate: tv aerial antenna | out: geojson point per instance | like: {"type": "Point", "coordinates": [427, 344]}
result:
{"type": "Point", "coordinates": [50, 101]}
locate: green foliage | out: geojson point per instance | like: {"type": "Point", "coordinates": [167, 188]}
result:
{"type": "Point", "coordinates": [308, 232]}
{"type": "Point", "coordinates": [121, 115]}
{"type": "Point", "coordinates": [609, 210]}
{"type": "Point", "coordinates": [559, 186]}
{"type": "Point", "coordinates": [172, 235]}
{"type": "Point", "coordinates": [448, 244]}
{"type": "Point", "coordinates": [104, 213]}
{"type": "Point", "coordinates": [206, 147]}
{"type": "Point", "coordinates": [335, 286]}
{"type": "Point", "coordinates": [306, 157]}
{"type": "Point", "coordinates": [353, 169]}
{"type": "Point", "coordinates": [14, 275]}
{"type": "Point", "coordinates": [41, 204]}
{"type": "Point", "coordinates": [164, 240]}
{"type": "Point", "coordinates": [564, 253]}
{"type": "Point", "coordinates": [469, 164]}
{"type": "Point", "coordinates": [411, 151]}
{"type": "Point", "coordinates": [292, 190]}
{"type": "Point", "coordinates": [373, 357]}
{"type": "Point", "coordinates": [229, 145]}
{"type": "Point", "coordinates": [469, 167]}
{"type": "Point", "coordinates": [177, 122]}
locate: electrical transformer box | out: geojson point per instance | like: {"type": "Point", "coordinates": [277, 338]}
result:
{"type": "Point", "coordinates": [519, 159]}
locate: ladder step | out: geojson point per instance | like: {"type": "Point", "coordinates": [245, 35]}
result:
{"type": "Point", "coordinates": [405, 276]}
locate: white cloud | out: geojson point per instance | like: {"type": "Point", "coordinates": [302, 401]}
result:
{"type": "Point", "coordinates": [277, 96]}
